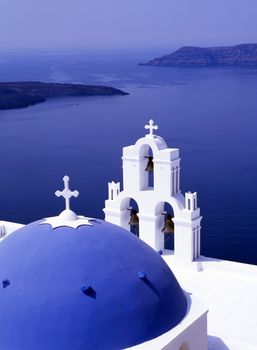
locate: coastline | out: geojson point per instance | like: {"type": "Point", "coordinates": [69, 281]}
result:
{"type": "Point", "coordinates": [16, 95]}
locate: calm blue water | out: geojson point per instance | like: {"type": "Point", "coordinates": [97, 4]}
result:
{"type": "Point", "coordinates": [210, 114]}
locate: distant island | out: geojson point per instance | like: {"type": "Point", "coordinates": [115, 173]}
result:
{"type": "Point", "coordinates": [25, 94]}
{"type": "Point", "coordinates": [244, 55]}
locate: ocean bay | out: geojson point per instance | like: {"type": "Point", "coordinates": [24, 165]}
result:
{"type": "Point", "coordinates": [209, 113]}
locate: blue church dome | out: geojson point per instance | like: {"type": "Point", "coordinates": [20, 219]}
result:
{"type": "Point", "coordinates": [91, 287]}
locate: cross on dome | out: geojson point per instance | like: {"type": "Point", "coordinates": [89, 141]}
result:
{"type": "Point", "coordinates": [67, 217]}
{"type": "Point", "coordinates": [66, 193]}
{"type": "Point", "coordinates": [151, 127]}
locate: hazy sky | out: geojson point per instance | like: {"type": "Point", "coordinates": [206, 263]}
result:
{"type": "Point", "coordinates": [126, 23]}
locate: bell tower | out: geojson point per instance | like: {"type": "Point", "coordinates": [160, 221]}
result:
{"type": "Point", "coordinates": [151, 179]}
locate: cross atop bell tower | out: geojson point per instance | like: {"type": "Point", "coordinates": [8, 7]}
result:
{"type": "Point", "coordinates": [148, 190]}
{"type": "Point", "coordinates": [151, 127]}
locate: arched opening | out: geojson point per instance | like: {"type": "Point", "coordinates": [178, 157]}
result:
{"type": "Point", "coordinates": [168, 227]}
{"type": "Point", "coordinates": [150, 169]}
{"type": "Point", "coordinates": [146, 168]}
{"type": "Point", "coordinates": [165, 225]}
{"type": "Point", "coordinates": [184, 346]}
{"type": "Point", "coordinates": [129, 215]}
{"type": "Point", "coordinates": [133, 218]}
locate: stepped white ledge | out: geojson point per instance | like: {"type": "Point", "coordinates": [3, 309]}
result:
{"type": "Point", "coordinates": [67, 218]}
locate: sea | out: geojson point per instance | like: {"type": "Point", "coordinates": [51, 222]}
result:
{"type": "Point", "coordinates": [210, 114]}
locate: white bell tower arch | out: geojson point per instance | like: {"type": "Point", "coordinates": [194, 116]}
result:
{"type": "Point", "coordinates": [151, 197]}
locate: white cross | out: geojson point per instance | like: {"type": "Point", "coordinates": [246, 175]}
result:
{"type": "Point", "coordinates": [66, 193]}
{"type": "Point", "coordinates": [151, 127]}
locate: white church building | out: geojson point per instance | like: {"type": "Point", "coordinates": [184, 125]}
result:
{"type": "Point", "coordinates": [71, 282]}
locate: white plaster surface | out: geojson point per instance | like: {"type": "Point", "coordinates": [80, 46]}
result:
{"type": "Point", "coordinates": [67, 218]}
{"type": "Point", "coordinates": [229, 290]}
{"type": "Point", "coordinates": [191, 330]}
{"type": "Point", "coordinates": [151, 197]}
{"type": "Point", "coordinates": [8, 227]}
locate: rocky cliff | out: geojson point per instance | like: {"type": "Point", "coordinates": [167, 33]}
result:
{"type": "Point", "coordinates": [239, 55]}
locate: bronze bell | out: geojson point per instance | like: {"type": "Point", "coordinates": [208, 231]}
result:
{"type": "Point", "coordinates": [168, 224]}
{"type": "Point", "coordinates": [149, 166]}
{"type": "Point", "coordinates": [134, 219]}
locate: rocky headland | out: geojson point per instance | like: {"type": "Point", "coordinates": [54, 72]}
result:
{"type": "Point", "coordinates": [25, 94]}
{"type": "Point", "coordinates": [244, 55]}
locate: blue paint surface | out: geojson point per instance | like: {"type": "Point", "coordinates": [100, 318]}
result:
{"type": "Point", "coordinates": [80, 289]}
